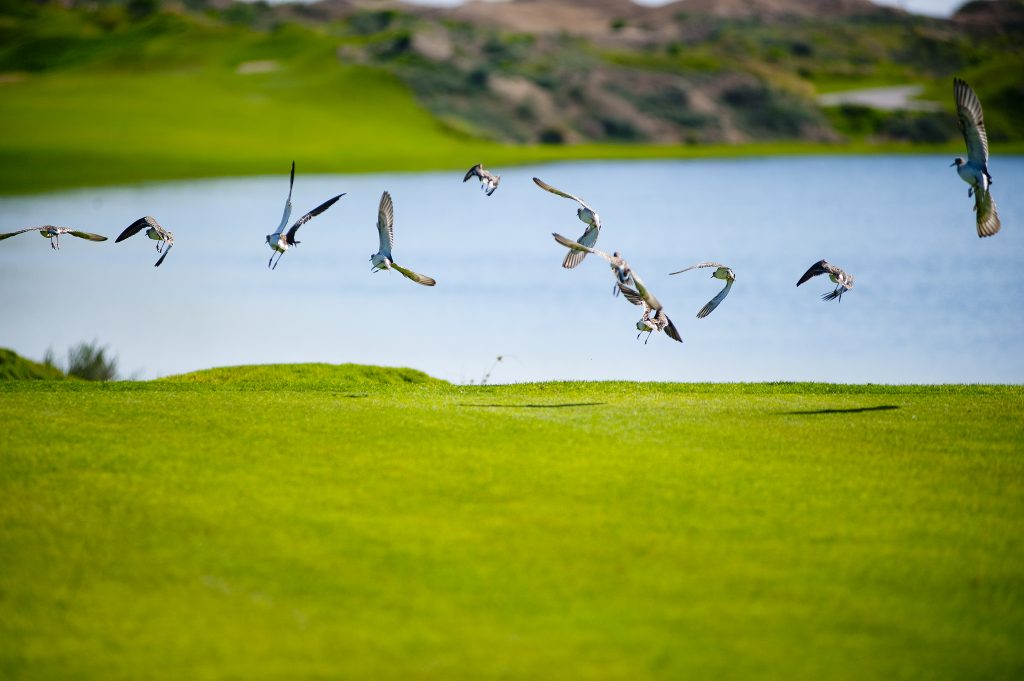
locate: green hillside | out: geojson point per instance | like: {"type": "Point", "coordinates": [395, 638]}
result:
{"type": "Point", "coordinates": [15, 367]}
{"type": "Point", "coordinates": [359, 522]}
{"type": "Point", "coordinates": [115, 92]}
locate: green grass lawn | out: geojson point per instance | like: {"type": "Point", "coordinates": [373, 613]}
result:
{"type": "Point", "coordinates": [349, 522]}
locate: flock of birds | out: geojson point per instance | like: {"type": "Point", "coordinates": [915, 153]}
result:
{"type": "Point", "coordinates": [973, 170]}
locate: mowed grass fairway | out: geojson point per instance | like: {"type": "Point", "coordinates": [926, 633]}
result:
{"type": "Point", "coordinates": [318, 521]}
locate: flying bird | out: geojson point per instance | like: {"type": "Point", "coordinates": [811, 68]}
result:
{"type": "Point", "coordinates": [164, 238]}
{"type": "Point", "coordinates": [974, 170]}
{"type": "Point", "coordinates": [381, 260]}
{"type": "Point", "coordinates": [587, 215]}
{"type": "Point", "coordinates": [654, 318]}
{"type": "Point", "coordinates": [280, 241]}
{"type": "Point", "coordinates": [623, 274]}
{"type": "Point", "coordinates": [842, 280]}
{"type": "Point", "coordinates": [488, 180]}
{"type": "Point", "coordinates": [721, 272]}
{"type": "Point", "coordinates": [53, 234]}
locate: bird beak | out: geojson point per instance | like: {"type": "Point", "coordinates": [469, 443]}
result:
{"type": "Point", "coordinates": [952, 164]}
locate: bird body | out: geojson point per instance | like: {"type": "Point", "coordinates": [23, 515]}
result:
{"type": "Point", "coordinates": [153, 231]}
{"type": "Point", "coordinates": [587, 216]}
{"type": "Point", "coordinates": [280, 241]}
{"type": "Point", "coordinates": [974, 169]}
{"type": "Point", "coordinates": [721, 272]}
{"type": "Point", "coordinates": [842, 280]}
{"type": "Point", "coordinates": [488, 180]}
{"type": "Point", "coordinates": [54, 233]}
{"type": "Point", "coordinates": [382, 260]}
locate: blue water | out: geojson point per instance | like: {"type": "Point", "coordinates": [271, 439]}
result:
{"type": "Point", "coordinates": [931, 303]}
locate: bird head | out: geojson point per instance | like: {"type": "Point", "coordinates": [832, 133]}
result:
{"type": "Point", "coordinates": [956, 162]}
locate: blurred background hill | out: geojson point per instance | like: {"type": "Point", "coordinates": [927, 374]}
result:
{"type": "Point", "coordinates": [102, 91]}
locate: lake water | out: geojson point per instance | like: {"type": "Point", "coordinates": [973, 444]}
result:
{"type": "Point", "coordinates": [931, 303]}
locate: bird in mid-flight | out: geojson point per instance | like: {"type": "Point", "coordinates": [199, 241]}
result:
{"type": "Point", "coordinates": [280, 240]}
{"type": "Point", "coordinates": [381, 260]}
{"type": "Point", "coordinates": [974, 170]}
{"type": "Point", "coordinates": [53, 234]}
{"type": "Point", "coordinates": [154, 231]}
{"type": "Point", "coordinates": [488, 180]}
{"type": "Point", "coordinates": [654, 318]}
{"type": "Point", "coordinates": [842, 280]}
{"type": "Point", "coordinates": [587, 215]}
{"type": "Point", "coordinates": [721, 272]}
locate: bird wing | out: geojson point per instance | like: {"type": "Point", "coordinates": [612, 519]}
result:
{"type": "Point", "coordinates": [87, 235]}
{"type": "Point", "coordinates": [700, 264]}
{"type": "Point", "coordinates": [630, 295]}
{"type": "Point", "coordinates": [290, 238]}
{"type": "Point", "coordinates": [20, 231]}
{"type": "Point", "coordinates": [474, 171]}
{"type": "Point", "coordinates": [415, 276]}
{"type": "Point", "coordinates": [166, 251]}
{"type": "Point", "coordinates": [588, 239]}
{"type": "Point", "coordinates": [985, 213]}
{"type": "Point", "coordinates": [713, 303]}
{"type": "Point", "coordinates": [647, 296]}
{"type": "Point", "coordinates": [547, 187]}
{"type": "Point", "coordinates": [287, 204]}
{"type": "Point", "coordinates": [134, 228]}
{"type": "Point", "coordinates": [670, 328]}
{"type": "Point", "coordinates": [972, 123]}
{"type": "Point", "coordinates": [820, 267]}
{"type": "Point", "coordinates": [577, 246]}
{"type": "Point", "coordinates": [386, 223]}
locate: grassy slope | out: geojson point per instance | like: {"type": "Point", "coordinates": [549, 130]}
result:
{"type": "Point", "coordinates": [163, 100]}
{"type": "Point", "coordinates": [362, 523]}
{"type": "Point", "coordinates": [15, 367]}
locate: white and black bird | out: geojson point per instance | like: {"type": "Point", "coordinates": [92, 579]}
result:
{"type": "Point", "coordinates": [721, 272]}
{"type": "Point", "coordinates": [620, 268]}
{"type": "Point", "coordinates": [280, 240]}
{"type": "Point", "coordinates": [164, 238]}
{"type": "Point", "coordinates": [488, 180]}
{"type": "Point", "coordinates": [654, 318]}
{"type": "Point", "coordinates": [974, 170]}
{"type": "Point", "coordinates": [587, 215]}
{"type": "Point", "coordinates": [842, 280]}
{"type": "Point", "coordinates": [381, 260]}
{"type": "Point", "coordinates": [53, 234]}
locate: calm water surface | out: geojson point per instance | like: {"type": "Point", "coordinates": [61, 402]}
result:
{"type": "Point", "coordinates": [932, 302]}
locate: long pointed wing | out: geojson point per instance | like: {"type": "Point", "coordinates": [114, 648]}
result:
{"type": "Point", "coordinates": [700, 264]}
{"type": "Point", "coordinates": [87, 235]}
{"type": "Point", "coordinates": [166, 251]}
{"type": "Point", "coordinates": [415, 276]}
{"type": "Point", "coordinates": [133, 229]}
{"type": "Point", "coordinates": [647, 296]}
{"type": "Point", "coordinates": [475, 170]}
{"type": "Point", "coordinates": [820, 267]}
{"type": "Point", "coordinates": [386, 223]}
{"type": "Point", "coordinates": [578, 247]}
{"type": "Point", "coordinates": [972, 123]}
{"type": "Point", "coordinates": [287, 204]}
{"type": "Point", "coordinates": [713, 303]}
{"type": "Point", "coordinates": [547, 187]}
{"type": "Point", "coordinates": [630, 295]}
{"type": "Point", "coordinates": [985, 213]}
{"type": "Point", "coordinates": [20, 231]}
{"type": "Point", "coordinates": [670, 329]}
{"type": "Point", "coordinates": [290, 238]}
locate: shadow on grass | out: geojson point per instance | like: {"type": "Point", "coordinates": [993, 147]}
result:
{"type": "Point", "coordinates": [852, 410]}
{"type": "Point", "coordinates": [533, 406]}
